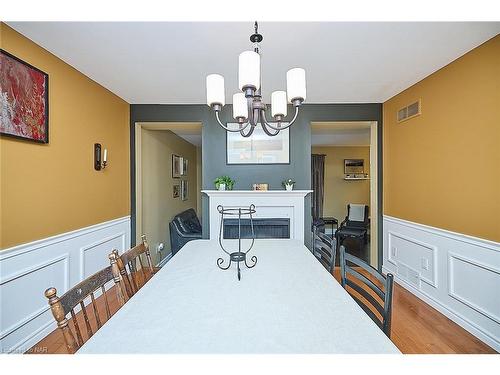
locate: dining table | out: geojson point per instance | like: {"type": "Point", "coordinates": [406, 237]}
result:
{"type": "Point", "coordinates": [287, 303]}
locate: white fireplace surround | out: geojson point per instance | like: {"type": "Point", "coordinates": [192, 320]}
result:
{"type": "Point", "coordinates": [268, 204]}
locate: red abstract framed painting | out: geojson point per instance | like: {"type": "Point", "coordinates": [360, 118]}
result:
{"type": "Point", "coordinates": [24, 100]}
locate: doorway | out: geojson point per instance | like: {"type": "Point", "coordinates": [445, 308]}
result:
{"type": "Point", "coordinates": [160, 194]}
{"type": "Point", "coordinates": [340, 143]}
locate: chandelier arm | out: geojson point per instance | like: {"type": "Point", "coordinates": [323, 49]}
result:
{"type": "Point", "coordinates": [252, 128]}
{"type": "Point", "coordinates": [282, 127]}
{"type": "Point", "coordinates": [226, 128]}
{"type": "Point", "coordinates": [264, 124]}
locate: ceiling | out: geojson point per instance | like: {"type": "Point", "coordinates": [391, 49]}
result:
{"type": "Point", "coordinates": [167, 62]}
{"type": "Point", "coordinates": [353, 133]}
{"type": "Point", "coordinates": [189, 131]}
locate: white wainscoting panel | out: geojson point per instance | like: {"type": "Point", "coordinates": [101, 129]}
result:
{"type": "Point", "coordinates": [458, 275]}
{"type": "Point", "coordinates": [60, 261]}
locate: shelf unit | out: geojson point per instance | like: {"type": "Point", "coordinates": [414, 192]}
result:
{"type": "Point", "coordinates": [356, 178]}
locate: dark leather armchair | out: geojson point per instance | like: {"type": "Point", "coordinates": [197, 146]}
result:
{"type": "Point", "coordinates": [355, 225]}
{"type": "Point", "coordinates": [184, 227]}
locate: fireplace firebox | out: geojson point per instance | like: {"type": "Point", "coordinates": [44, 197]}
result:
{"type": "Point", "coordinates": [263, 227]}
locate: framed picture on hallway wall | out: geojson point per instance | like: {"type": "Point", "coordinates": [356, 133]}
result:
{"type": "Point", "coordinates": [184, 190]}
{"type": "Point", "coordinates": [24, 100]}
{"type": "Point", "coordinates": [176, 190]}
{"type": "Point", "coordinates": [259, 148]}
{"type": "Point", "coordinates": [184, 166]}
{"type": "Point", "coordinates": [176, 166]}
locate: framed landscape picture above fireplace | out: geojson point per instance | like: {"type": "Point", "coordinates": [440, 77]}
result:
{"type": "Point", "coordinates": [259, 148]}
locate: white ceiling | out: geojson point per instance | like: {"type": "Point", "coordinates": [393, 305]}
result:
{"type": "Point", "coordinates": [189, 131]}
{"type": "Point", "coordinates": [167, 62]}
{"type": "Point", "coordinates": [340, 133]}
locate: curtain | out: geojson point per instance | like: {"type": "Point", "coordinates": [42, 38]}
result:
{"type": "Point", "coordinates": [318, 184]}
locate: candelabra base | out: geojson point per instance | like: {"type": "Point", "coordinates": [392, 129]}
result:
{"type": "Point", "coordinates": [237, 257]}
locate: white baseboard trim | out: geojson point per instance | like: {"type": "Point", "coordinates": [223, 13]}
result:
{"type": "Point", "coordinates": [443, 309]}
{"type": "Point", "coordinates": [457, 274]}
{"type": "Point", "coordinates": [60, 261]}
{"type": "Point", "coordinates": [165, 260]}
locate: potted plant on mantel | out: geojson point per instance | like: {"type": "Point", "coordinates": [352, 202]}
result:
{"type": "Point", "coordinates": [224, 183]}
{"type": "Point", "coordinates": [288, 184]}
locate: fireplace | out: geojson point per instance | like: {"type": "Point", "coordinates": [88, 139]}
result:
{"type": "Point", "coordinates": [279, 213]}
{"type": "Point", "coordinates": [263, 228]}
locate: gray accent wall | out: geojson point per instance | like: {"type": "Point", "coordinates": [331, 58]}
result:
{"type": "Point", "coordinates": [214, 148]}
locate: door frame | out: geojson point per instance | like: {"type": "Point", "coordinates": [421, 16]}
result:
{"type": "Point", "coordinates": [376, 180]}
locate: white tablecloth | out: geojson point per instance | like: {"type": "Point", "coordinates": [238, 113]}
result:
{"type": "Point", "coordinates": [287, 303]}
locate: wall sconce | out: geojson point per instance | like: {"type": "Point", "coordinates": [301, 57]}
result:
{"type": "Point", "coordinates": [98, 164]}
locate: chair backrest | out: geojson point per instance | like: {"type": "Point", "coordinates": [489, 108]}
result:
{"type": "Point", "coordinates": [324, 249]}
{"type": "Point", "coordinates": [132, 269]}
{"type": "Point", "coordinates": [187, 221]}
{"type": "Point", "coordinates": [364, 283]}
{"type": "Point", "coordinates": [76, 297]}
{"type": "Point", "coordinates": [357, 214]}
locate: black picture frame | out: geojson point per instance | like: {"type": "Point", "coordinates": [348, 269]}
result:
{"type": "Point", "coordinates": [46, 97]}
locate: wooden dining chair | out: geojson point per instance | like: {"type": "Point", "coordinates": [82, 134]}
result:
{"type": "Point", "coordinates": [324, 249]}
{"type": "Point", "coordinates": [360, 281]}
{"type": "Point", "coordinates": [132, 269]}
{"type": "Point", "coordinates": [75, 297]}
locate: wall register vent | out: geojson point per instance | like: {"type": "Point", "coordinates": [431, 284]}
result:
{"type": "Point", "coordinates": [410, 111]}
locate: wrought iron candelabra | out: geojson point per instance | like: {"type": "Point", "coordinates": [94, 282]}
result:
{"type": "Point", "coordinates": [239, 256]}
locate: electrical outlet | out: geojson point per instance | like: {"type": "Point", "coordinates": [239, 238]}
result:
{"type": "Point", "coordinates": [160, 247]}
{"type": "Point", "coordinates": [425, 264]}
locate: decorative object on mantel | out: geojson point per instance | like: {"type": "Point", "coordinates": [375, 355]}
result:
{"type": "Point", "coordinates": [24, 100]}
{"type": "Point", "coordinates": [184, 190]}
{"type": "Point", "coordinates": [176, 191]}
{"type": "Point", "coordinates": [98, 164]}
{"type": "Point", "coordinates": [240, 255]}
{"type": "Point", "coordinates": [224, 183]}
{"type": "Point", "coordinates": [288, 184]}
{"type": "Point", "coordinates": [248, 107]}
{"type": "Point", "coordinates": [260, 187]}
{"type": "Point", "coordinates": [176, 166]}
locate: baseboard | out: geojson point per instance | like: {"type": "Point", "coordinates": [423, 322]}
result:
{"type": "Point", "coordinates": [164, 260]}
{"type": "Point", "coordinates": [60, 261]}
{"type": "Point", "coordinates": [457, 274]}
{"type": "Point", "coordinates": [464, 323]}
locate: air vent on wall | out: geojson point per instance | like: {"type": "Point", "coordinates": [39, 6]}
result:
{"type": "Point", "coordinates": [411, 110]}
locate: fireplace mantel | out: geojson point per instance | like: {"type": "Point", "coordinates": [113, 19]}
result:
{"type": "Point", "coordinates": [268, 204]}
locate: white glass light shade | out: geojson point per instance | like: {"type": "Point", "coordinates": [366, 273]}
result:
{"type": "Point", "coordinates": [278, 103]}
{"type": "Point", "coordinates": [215, 89]}
{"type": "Point", "coordinates": [296, 84]}
{"type": "Point", "coordinates": [240, 108]}
{"type": "Point", "coordinates": [249, 69]}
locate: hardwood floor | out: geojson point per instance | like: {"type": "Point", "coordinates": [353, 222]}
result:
{"type": "Point", "coordinates": [417, 328]}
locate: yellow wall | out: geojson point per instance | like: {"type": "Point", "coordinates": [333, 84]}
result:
{"type": "Point", "coordinates": [339, 192]}
{"type": "Point", "coordinates": [443, 168]}
{"type": "Point", "coordinates": [158, 205]}
{"type": "Point", "coordinates": [53, 188]}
